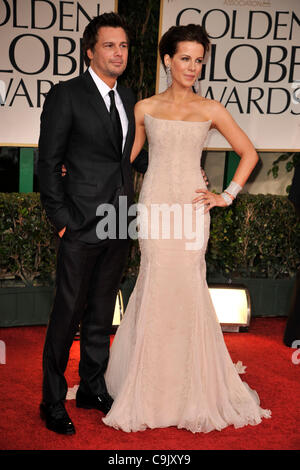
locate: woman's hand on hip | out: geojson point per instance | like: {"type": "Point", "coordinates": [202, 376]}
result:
{"type": "Point", "coordinates": [208, 199]}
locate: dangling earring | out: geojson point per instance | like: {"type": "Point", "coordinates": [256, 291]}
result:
{"type": "Point", "coordinates": [169, 76]}
{"type": "Point", "coordinates": [196, 86]}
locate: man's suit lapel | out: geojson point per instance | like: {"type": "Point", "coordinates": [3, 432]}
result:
{"type": "Point", "coordinates": [99, 106]}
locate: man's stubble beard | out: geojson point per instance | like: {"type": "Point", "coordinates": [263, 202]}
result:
{"type": "Point", "coordinates": [116, 74]}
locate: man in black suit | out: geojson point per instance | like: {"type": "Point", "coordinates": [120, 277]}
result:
{"type": "Point", "coordinates": [87, 125]}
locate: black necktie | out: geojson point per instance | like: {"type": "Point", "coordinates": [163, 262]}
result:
{"type": "Point", "coordinates": [115, 118]}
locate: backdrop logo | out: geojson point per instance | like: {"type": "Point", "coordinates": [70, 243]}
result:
{"type": "Point", "coordinates": [2, 92]}
{"type": "Point", "coordinates": [253, 65]}
{"type": "Point", "coordinates": [296, 92]}
{"type": "Point", "coordinates": [40, 39]}
{"type": "Point", "coordinates": [40, 45]}
{"type": "Point", "coordinates": [253, 55]}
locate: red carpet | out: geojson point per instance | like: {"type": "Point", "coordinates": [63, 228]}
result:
{"type": "Point", "coordinates": [270, 371]}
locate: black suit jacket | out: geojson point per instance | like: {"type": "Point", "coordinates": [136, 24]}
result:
{"type": "Point", "coordinates": [76, 131]}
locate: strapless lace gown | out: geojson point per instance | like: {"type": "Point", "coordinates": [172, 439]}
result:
{"type": "Point", "coordinates": [169, 365]}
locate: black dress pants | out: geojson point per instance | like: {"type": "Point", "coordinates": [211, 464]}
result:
{"type": "Point", "coordinates": [87, 283]}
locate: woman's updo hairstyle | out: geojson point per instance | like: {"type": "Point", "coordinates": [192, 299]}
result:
{"type": "Point", "coordinates": [176, 34]}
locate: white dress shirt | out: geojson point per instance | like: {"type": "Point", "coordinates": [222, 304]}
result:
{"type": "Point", "coordinates": [104, 90]}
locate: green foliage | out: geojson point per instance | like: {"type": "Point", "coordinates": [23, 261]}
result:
{"type": "Point", "coordinates": [258, 236]}
{"type": "Point", "coordinates": [143, 19]}
{"type": "Point", "coordinates": [291, 159]}
{"type": "Point", "coordinates": [27, 249]}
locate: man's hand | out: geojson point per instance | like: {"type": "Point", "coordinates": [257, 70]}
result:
{"type": "Point", "coordinates": [63, 173]}
{"type": "Point", "coordinates": [61, 233]}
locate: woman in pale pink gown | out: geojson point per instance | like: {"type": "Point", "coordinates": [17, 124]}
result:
{"type": "Point", "coordinates": [169, 365]}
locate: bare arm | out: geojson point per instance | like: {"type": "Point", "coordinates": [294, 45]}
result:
{"type": "Point", "coordinates": [241, 144]}
{"type": "Point", "coordinates": [140, 134]}
{"type": "Point", "coordinates": [239, 141]}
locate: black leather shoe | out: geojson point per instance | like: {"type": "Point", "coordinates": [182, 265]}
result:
{"type": "Point", "coordinates": [57, 419]}
{"type": "Point", "coordinates": [102, 402]}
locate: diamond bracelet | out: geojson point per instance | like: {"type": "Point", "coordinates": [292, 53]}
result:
{"type": "Point", "coordinates": [226, 198]}
{"type": "Point", "coordinates": [233, 189]}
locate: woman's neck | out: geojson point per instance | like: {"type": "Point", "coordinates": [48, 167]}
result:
{"type": "Point", "coordinates": [178, 94]}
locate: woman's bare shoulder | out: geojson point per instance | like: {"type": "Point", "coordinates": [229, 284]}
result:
{"type": "Point", "coordinates": [209, 103]}
{"type": "Point", "coordinates": [212, 109]}
{"type": "Point", "coordinates": [148, 104]}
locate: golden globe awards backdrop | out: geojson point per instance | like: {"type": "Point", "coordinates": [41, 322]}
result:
{"type": "Point", "coordinates": [39, 46]}
{"type": "Point", "coordinates": [253, 68]}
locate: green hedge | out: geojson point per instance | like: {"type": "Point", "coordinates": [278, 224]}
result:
{"type": "Point", "coordinates": [258, 236]}
{"type": "Point", "coordinates": [27, 246]}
